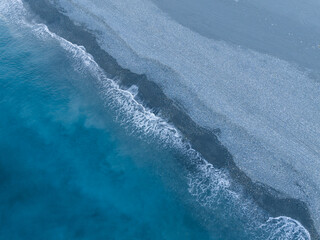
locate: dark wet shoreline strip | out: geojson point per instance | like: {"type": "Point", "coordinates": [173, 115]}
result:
{"type": "Point", "coordinates": [202, 140]}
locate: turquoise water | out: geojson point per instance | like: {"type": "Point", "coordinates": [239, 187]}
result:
{"type": "Point", "coordinates": [77, 161]}
{"type": "Point", "coordinates": [68, 170]}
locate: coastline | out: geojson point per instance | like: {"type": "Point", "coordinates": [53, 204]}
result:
{"type": "Point", "coordinates": [153, 97]}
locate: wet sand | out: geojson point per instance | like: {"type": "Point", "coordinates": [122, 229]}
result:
{"type": "Point", "coordinates": [202, 140]}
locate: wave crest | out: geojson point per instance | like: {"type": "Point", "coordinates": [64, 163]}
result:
{"type": "Point", "coordinates": [208, 185]}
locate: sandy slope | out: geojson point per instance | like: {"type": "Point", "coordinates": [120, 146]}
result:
{"type": "Point", "coordinates": [268, 109]}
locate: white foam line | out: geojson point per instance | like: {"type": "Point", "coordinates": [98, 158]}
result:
{"type": "Point", "coordinates": [283, 228]}
{"type": "Point", "coordinates": [207, 184]}
{"type": "Point", "coordinates": [266, 108]}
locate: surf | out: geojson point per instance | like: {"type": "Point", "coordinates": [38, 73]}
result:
{"type": "Point", "coordinates": [206, 183]}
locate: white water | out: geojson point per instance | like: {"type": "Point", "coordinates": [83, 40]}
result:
{"type": "Point", "coordinates": [268, 110]}
{"type": "Point", "coordinates": [207, 179]}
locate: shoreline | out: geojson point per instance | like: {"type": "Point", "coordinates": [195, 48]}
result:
{"type": "Point", "coordinates": [201, 139]}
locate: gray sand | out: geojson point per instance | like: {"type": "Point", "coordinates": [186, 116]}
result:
{"type": "Point", "coordinates": [267, 106]}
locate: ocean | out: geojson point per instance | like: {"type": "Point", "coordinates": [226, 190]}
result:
{"type": "Point", "coordinates": [83, 158]}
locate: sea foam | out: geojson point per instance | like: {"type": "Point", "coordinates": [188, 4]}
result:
{"type": "Point", "coordinates": [267, 109]}
{"type": "Point", "coordinates": [206, 183]}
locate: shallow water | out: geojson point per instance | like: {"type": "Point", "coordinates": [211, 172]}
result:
{"type": "Point", "coordinates": [81, 159]}
{"type": "Point", "coordinates": [265, 105]}
{"type": "Point", "coordinates": [67, 170]}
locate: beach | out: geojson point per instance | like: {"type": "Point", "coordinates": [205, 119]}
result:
{"type": "Point", "coordinates": [261, 124]}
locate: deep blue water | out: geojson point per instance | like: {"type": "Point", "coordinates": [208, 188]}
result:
{"type": "Point", "coordinates": [67, 169]}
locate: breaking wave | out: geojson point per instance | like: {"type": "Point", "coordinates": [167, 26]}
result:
{"type": "Point", "coordinates": [209, 186]}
